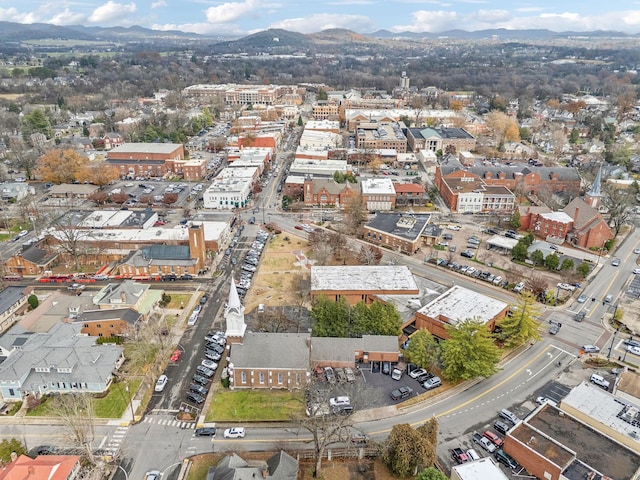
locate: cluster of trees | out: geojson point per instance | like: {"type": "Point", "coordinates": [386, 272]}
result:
{"type": "Point", "coordinates": [410, 450]}
{"type": "Point", "coordinates": [472, 350]}
{"type": "Point", "coordinates": [339, 319]}
{"type": "Point", "coordinates": [340, 177]}
{"type": "Point", "coordinates": [552, 261]}
{"type": "Point", "coordinates": [68, 166]}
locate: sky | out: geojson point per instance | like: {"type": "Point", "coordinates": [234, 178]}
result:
{"type": "Point", "coordinates": [241, 17]}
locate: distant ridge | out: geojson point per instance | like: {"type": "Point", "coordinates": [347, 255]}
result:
{"type": "Point", "coordinates": [277, 39]}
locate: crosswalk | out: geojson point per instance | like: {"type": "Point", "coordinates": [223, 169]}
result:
{"type": "Point", "coordinates": [114, 441]}
{"type": "Point", "coordinates": [169, 422]}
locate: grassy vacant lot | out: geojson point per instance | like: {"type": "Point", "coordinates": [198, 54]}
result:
{"type": "Point", "coordinates": [112, 405]}
{"type": "Point", "coordinates": [248, 406]}
{"type": "Point", "coordinates": [274, 281]}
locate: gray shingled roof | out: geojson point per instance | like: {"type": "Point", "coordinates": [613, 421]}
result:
{"type": "Point", "coordinates": [62, 347]}
{"type": "Point", "coordinates": [167, 252]}
{"type": "Point", "coordinates": [127, 314]}
{"type": "Point", "coordinates": [9, 297]}
{"type": "Point", "coordinates": [395, 224]}
{"type": "Point", "coordinates": [272, 350]}
{"type": "Point", "coordinates": [564, 173]}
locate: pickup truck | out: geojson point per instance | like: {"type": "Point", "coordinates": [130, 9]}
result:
{"type": "Point", "coordinates": [484, 442]}
{"type": "Point", "coordinates": [459, 455]}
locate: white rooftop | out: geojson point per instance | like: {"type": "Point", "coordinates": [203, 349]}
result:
{"type": "Point", "coordinates": [322, 125]}
{"type": "Point", "coordinates": [502, 241]}
{"type": "Point", "coordinates": [152, 235]}
{"type": "Point", "coordinates": [237, 172]}
{"type": "Point", "coordinates": [362, 277]}
{"type": "Point", "coordinates": [604, 408]}
{"type": "Point", "coordinates": [298, 179]}
{"type": "Point", "coordinates": [560, 217]}
{"type": "Point", "coordinates": [378, 186]}
{"type": "Point", "coordinates": [459, 303]}
{"type": "Point", "coordinates": [105, 218]}
{"type": "Point", "coordinates": [146, 148]}
{"type": "Point", "coordinates": [482, 469]}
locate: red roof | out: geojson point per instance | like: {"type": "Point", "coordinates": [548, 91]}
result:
{"type": "Point", "coordinates": [43, 467]}
{"type": "Point", "coordinates": [408, 188]}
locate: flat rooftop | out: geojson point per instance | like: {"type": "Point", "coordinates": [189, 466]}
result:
{"type": "Point", "coordinates": [575, 446]}
{"type": "Point", "coordinates": [408, 227]}
{"type": "Point", "coordinates": [145, 148]}
{"type": "Point", "coordinates": [459, 303]}
{"type": "Point", "coordinates": [378, 186]}
{"type": "Point", "coordinates": [365, 278]}
{"type": "Point", "coordinates": [482, 469]}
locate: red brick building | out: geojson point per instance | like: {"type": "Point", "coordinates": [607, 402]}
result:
{"type": "Point", "coordinates": [326, 191]}
{"type": "Point", "coordinates": [148, 159]}
{"type": "Point", "coordinates": [410, 194]}
{"type": "Point", "coordinates": [589, 229]}
{"type": "Point", "coordinates": [522, 181]}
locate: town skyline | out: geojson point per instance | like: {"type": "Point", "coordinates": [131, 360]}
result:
{"type": "Point", "coordinates": [239, 18]}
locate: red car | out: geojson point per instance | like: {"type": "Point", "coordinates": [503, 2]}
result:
{"type": "Point", "coordinates": [298, 227]}
{"type": "Point", "coordinates": [493, 438]}
{"type": "Point", "coordinates": [159, 223]}
{"type": "Point", "coordinates": [175, 356]}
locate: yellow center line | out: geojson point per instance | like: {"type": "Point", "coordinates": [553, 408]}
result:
{"type": "Point", "coordinates": [474, 399]}
{"type": "Point", "coordinates": [613, 279]}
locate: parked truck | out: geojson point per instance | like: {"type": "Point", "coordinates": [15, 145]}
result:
{"type": "Point", "coordinates": [459, 455]}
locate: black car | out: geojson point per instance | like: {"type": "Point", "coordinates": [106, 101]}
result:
{"type": "Point", "coordinates": [501, 427]}
{"type": "Point", "coordinates": [194, 397]}
{"type": "Point", "coordinates": [402, 392]}
{"type": "Point", "coordinates": [169, 278]}
{"type": "Point", "coordinates": [203, 300]}
{"type": "Point", "coordinates": [186, 276]}
{"type": "Point", "coordinates": [424, 377]}
{"type": "Point", "coordinates": [200, 379]}
{"type": "Point", "coordinates": [199, 389]}
{"type": "Point", "coordinates": [205, 432]}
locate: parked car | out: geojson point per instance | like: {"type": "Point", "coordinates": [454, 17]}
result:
{"type": "Point", "coordinates": [459, 456]}
{"type": "Point", "coordinates": [466, 253]}
{"type": "Point", "coordinates": [402, 392]}
{"type": "Point", "coordinates": [203, 300]}
{"type": "Point", "coordinates": [501, 427]}
{"type": "Point", "coordinates": [161, 383]}
{"type": "Point", "coordinates": [339, 401]}
{"type": "Point", "coordinates": [506, 459]}
{"type": "Point", "coordinates": [175, 356]}
{"type": "Point", "coordinates": [199, 389]}
{"type": "Point", "coordinates": [328, 372]}
{"type": "Point", "coordinates": [359, 439]}
{"type": "Point", "coordinates": [417, 372]}
{"type": "Point", "coordinates": [234, 432]}
{"type": "Point", "coordinates": [194, 397]}
{"type": "Point", "coordinates": [349, 374]}
{"type": "Point", "coordinates": [484, 442]}
{"type": "Point", "coordinates": [493, 438]}
{"type": "Point", "coordinates": [543, 400]}
{"type": "Point", "coordinates": [209, 364]}
{"type": "Point", "coordinates": [207, 372]}
{"type": "Point", "coordinates": [200, 379]}
{"type": "Point", "coordinates": [432, 383]}
{"type": "Point", "coordinates": [509, 416]}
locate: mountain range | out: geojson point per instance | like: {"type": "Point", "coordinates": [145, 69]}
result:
{"type": "Point", "coordinates": [11, 32]}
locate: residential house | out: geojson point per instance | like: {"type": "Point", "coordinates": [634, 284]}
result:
{"type": "Point", "coordinates": [59, 361]}
{"type": "Point", "coordinates": [128, 294]}
{"type": "Point", "coordinates": [50, 467]}
{"type": "Point", "coordinates": [14, 192]}
{"type": "Point", "coordinates": [112, 140]}
{"type": "Point", "coordinates": [12, 301]}
{"type": "Point", "coordinates": [280, 466]}
{"type": "Point", "coordinates": [72, 190]}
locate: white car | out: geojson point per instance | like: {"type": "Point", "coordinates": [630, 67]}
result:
{"type": "Point", "coordinates": [566, 286]}
{"type": "Point", "coordinates": [636, 251]}
{"type": "Point", "coordinates": [235, 432]}
{"type": "Point", "coordinates": [161, 383]}
{"type": "Point", "coordinates": [417, 372]}
{"type": "Point", "coordinates": [455, 228]}
{"type": "Point", "coordinates": [633, 349]}
{"type": "Point", "coordinates": [339, 401]}
{"type": "Point", "coordinates": [543, 400]}
{"type": "Point", "coordinates": [636, 271]}
{"type": "Point", "coordinates": [209, 364]}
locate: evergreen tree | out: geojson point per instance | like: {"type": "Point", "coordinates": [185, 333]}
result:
{"type": "Point", "coordinates": [522, 326]}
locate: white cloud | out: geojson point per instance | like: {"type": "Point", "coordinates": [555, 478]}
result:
{"type": "Point", "coordinates": [438, 21]}
{"type": "Point", "coordinates": [66, 17]}
{"type": "Point", "coordinates": [202, 28]}
{"type": "Point", "coordinates": [112, 12]}
{"type": "Point", "coordinates": [12, 15]}
{"type": "Point", "coordinates": [323, 21]}
{"type": "Point", "coordinates": [430, 21]}
{"type": "Point", "coordinates": [159, 4]}
{"type": "Point", "coordinates": [231, 11]}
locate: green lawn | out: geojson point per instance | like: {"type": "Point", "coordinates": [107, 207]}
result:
{"type": "Point", "coordinates": [178, 300]}
{"type": "Point", "coordinates": [112, 405]}
{"type": "Point", "coordinates": [255, 406]}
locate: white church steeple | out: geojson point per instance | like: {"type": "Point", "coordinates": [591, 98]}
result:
{"type": "Point", "coordinates": [234, 315]}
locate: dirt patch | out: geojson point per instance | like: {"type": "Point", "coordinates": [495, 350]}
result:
{"type": "Point", "coordinates": [347, 470]}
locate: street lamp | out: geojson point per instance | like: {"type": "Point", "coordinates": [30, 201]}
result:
{"type": "Point", "coordinates": [126, 387]}
{"type": "Point", "coordinates": [613, 339]}
{"type": "Point", "coordinates": [624, 358]}
{"type": "Point", "coordinates": [600, 252]}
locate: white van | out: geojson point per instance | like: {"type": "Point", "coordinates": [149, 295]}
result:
{"type": "Point", "coordinates": [600, 381]}
{"type": "Point", "coordinates": [261, 308]}
{"type": "Point", "coordinates": [473, 455]}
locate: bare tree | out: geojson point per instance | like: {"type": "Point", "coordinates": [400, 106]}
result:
{"type": "Point", "coordinates": [617, 203]}
{"type": "Point", "coordinates": [78, 415]}
{"type": "Point", "coordinates": [274, 321]}
{"type": "Point", "coordinates": [71, 239]}
{"type": "Point", "coordinates": [370, 255]}
{"type": "Point", "coordinates": [322, 253]}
